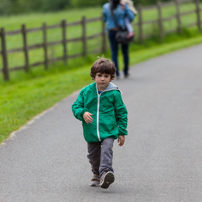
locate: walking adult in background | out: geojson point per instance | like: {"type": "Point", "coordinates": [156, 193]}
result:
{"type": "Point", "coordinates": [114, 15]}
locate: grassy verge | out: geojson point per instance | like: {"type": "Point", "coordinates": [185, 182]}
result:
{"type": "Point", "coordinates": [160, 49]}
{"type": "Point", "coordinates": [21, 100]}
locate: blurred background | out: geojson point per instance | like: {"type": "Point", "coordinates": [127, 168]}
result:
{"type": "Point", "coordinates": [65, 37]}
{"type": "Point", "coordinates": [8, 7]}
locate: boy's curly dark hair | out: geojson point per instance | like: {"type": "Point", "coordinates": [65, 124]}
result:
{"type": "Point", "coordinates": [103, 65]}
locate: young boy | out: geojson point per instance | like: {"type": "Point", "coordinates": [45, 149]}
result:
{"type": "Point", "coordinates": [104, 118]}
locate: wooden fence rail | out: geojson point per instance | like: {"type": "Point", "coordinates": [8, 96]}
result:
{"type": "Point", "coordinates": [160, 21]}
{"type": "Point", "coordinates": [24, 31]}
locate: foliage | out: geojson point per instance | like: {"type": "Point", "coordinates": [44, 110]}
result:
{"type": "Point", "coordinates": [8, 7]}
{"type": "Point", "coordinates": [24, 6]}
{"type": "Point", "coordinates": [89, 3]}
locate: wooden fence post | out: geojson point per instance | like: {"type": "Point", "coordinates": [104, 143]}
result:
{"type": "Point", "coordinates": [24, 35]}
{"type": "Point", "coordinates": [4, 55]}
{"type": "Point", "coordinates": [179, 27]}
{"type": "Point", "coordinates": [160, 21]}
{"type": "Point", "coordinates": [44, 28]}
{"type": "Point", "coordinates": [104, 45]}
{"type": "Point", "coordinates": [140, 24]}
{"type": "Point", "coordinates": [84, 35]}
{"type": "Point", "coordinates": [198, 14]}
{"type": "Point", "coordinates": [63, 24]}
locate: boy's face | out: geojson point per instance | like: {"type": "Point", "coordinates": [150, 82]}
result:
{"type": "Point", "coordinates": [102, 80]}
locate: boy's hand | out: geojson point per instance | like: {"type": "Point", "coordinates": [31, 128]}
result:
{"type": "Point", "coordinates": [121, 140]}
{"type": "Point", "coordinates": [87, 117]}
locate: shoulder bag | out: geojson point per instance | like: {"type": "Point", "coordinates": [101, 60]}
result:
{"type": "Point", "coordinates": [122, 34]}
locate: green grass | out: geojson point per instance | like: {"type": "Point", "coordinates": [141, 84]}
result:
{"type": "Point", "coordinates": [36, 19]}
{"type": "Point", "coordinates": [21, 100]}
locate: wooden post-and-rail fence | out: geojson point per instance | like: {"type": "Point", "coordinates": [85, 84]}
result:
{"type": "Point", "coordinates": [26, 48]}
{"type": "Point", "coordinates": [161, 21]}
{"type": "Point", "coordinates": [139, 26]}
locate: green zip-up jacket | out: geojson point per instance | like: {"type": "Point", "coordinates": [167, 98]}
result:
{"type": "Point", "coordinates": [109, 112]}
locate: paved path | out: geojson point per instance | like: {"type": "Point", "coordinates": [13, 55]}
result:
{"type": "Point", "coordinates": [160, 162]}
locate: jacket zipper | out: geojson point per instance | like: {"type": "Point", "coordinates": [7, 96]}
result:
{"type": "Point", "coordinates": [98, 110]}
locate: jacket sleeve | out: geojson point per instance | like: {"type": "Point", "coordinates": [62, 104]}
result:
{"type": "Point", "coordinates": [129, 13]}
{"type": "Point", "coordinates": [121, 114]}
{"type": "Point", "coordinates": [78, 107]}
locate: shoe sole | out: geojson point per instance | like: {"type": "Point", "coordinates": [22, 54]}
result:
{"type": "Point", "coordinates": [108, 179]}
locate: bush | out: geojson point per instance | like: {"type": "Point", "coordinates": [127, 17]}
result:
{"type": "Point", "coordinates": [25, 6]}
{"type": "Point", "coordinates": [5, 7]}
{"type": "Point", "coordinates": [89, 3]}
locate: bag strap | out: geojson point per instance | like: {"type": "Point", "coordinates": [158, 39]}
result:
{"type": "Point", "coordinates": [113, 16]}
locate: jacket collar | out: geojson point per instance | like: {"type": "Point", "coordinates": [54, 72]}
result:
{"type": "Point", "coordinates": [110, 87]}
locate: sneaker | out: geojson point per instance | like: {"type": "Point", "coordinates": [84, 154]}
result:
{"type": "Point", "coordinates": [126, 75]}
{"type": "Point", "coordinates": [95, 182]}
{"type": "Point", "coordinates": [117, 77]}
{"type": "Point", "coordinates": [106, 179]}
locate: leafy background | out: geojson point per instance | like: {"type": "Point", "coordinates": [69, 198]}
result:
{"type": "Point", "coordinates": [8, 7]}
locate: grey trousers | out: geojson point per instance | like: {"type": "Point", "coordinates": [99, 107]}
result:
{"type": "Point", "coordinates": [100, 155]}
